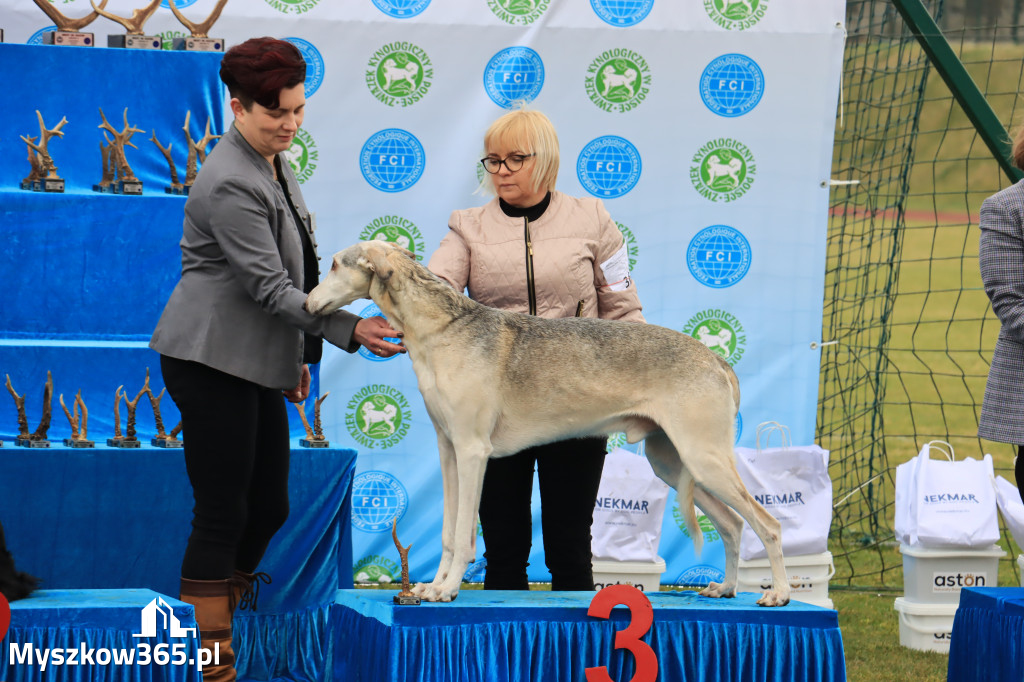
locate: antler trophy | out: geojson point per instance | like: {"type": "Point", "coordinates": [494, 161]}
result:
{"type": "Point", "coordinates": [175, 187]}
{"type": "Point", "coordinates": [115, 161]}
{"type": "Point", "coordinates": [44, 170]}
{"type": "Point", "coordinates": [162, 439]}
{"type": "Point", "coordinates": [196, 150]}
{"type": "Point", "coordinates": [199, 40]}
{"type": "Point", "coordinates": [79, 430]}
{"type": "Point", "coordinates": [135, 38]}
{"type": "Point", "coordinates": [36, 439]}
{"type": "Point", "coordinates": [118, 439]}
{"type": "Point", "coordinates": [406, 597]}
{"type": "Point", "coordinates": [315, 435]}
{"type": "Point", "coordinates": [67, 32]}
{"type": "Point", "coordinates": [129, 440]}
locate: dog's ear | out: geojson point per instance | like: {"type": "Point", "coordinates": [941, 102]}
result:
{"type": "Point", "coordinates": [376, 260]}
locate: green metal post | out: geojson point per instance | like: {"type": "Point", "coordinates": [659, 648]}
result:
{"type": "Point", "coordinates": [960, 83]}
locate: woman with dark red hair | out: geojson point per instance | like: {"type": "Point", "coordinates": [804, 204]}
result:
{"type": "Point", "coordinates": [235, 339]}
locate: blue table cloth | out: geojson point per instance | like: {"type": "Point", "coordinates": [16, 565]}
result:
{"type": "Point", "coordinates": [112, 518]}
{"type": "Point", "coordinates": [524, 636]}
{"type": "Point", "coordinates": [988, 635]}
{"type": "Point", "coordinates": [102, 626]}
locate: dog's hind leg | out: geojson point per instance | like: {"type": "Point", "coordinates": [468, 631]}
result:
{"type": "Point", "coordinates": [709, 457]}
{"type": "Point", "coordinates": [724, 483]}
{"type": "Point", "coordinates": [730, 526]}
{"type": "Point", "coordinates": [450, 485]}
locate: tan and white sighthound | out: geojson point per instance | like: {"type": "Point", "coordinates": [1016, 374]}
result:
{"type": "Point", "coordinates": [484, 373]}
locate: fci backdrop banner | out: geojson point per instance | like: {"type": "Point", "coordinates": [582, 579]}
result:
{"type": "Point", "coordinates": [706, 127]}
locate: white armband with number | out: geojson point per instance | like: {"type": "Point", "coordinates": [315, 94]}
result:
{"type": "Point", "coordinates": [616, 270]}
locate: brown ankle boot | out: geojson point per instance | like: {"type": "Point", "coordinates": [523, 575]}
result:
{"type": "Point", "coordinates": [245, 588]}
{"type": "Point", "coordinates": [213, 604]}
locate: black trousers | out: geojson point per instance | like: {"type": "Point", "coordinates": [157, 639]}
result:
{"type": "Point", "coordinates": [236, 453]}
{"type": "Point", "coordinates": [569, 474]}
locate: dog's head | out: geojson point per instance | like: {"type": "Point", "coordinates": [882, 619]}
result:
{"type": "Point", "coordinates": [355, 273]}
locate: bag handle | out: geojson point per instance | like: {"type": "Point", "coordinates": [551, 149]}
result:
{"type": "Point", "coordinates": [767, 429]}
{"type": "Point", "coordinates": [935, 444]}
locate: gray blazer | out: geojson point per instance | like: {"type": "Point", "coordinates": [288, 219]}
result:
{"type": "Point", "coordinates": [1002, 270]}
{"type": "Point", "coordinates": [238, 305]}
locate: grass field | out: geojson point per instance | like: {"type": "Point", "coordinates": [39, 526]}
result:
{"type": "Point", "coordinates": [905, 300]}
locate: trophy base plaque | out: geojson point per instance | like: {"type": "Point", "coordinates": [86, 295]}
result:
{"type": "Point", "coordinates": [135, 42]}
{"type": "Point", "coordinates": [49, 185]}
{"type": "Point", "coordinates": [29, 443]}
{"type": "Point", "coordinates": [78, 443]}
{"type": "Point", "coordinates": [406, 601]}
{"type": "Point", "coordinates": [133, 187]}
{"type": "Point", "coordinates": [72, 38]}
{"type": "Point", "coordinates": [106, 189]}
{"type": "Point", "coordinates": [194, 44]}
{"type": "Point", "coordinates": [306, 443]}
{"type": "Point", "coordinates": [167, 443]}
{"type": "Point", "coordinates": [123, 443]}
{"type": "Point", "coordinates": [179, 191]}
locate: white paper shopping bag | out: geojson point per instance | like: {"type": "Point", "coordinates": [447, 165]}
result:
{"type": "Point", "coordinates": [629, 509]}
{"type": "Point", "coordinates": [955, 504]}
{"type": "Point", "coordinates": [792, 483]}
{"type": "Point", "coordinates": [1011, 507]}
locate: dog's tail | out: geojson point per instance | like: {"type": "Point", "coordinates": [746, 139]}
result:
{"type": "Point", "coordinates": [686, 508]}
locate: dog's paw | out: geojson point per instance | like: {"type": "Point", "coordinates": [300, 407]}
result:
{"type": "Point", "coordinates": [773, 598]}
{"type": "Point", "coordinates": [719, 590]}
{"type": "Point", "coordinates": [437, 593]}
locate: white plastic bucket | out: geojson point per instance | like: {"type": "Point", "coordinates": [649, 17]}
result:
{"type": "Point", "coordinates": [936, 576]}
{"type": "Point", "coordinates": [925, 627]}
{"type": "Point", "coordinates": [643, 575]}
{"type": "Point", "coordinates": [808, 577]}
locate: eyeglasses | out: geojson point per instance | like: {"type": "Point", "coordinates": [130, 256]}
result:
{"type": "Point", "coordinates": [513, 162]}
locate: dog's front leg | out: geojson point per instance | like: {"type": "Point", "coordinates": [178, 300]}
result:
{"type": "Point", "coordinates": [471, 460]}
{"type": "Point", "coordinates": [450, 485]}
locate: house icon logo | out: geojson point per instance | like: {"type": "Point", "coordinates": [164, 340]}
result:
{"type": "Point", "coordinates": [159, 613]}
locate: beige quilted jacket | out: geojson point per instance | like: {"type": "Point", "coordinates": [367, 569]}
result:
{"type": "Point", "coordinates": [572, 260]}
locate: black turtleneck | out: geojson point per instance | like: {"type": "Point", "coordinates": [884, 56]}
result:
{"type": "Point", "coordinates": [531, 213]}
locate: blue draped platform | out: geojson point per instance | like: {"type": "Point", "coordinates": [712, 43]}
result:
{"type": "Point", "coordinates": [987, 642]}
{"type": "Point", "coordinates": [101, 626]}
{"type": "Point", "coordinates": [527, 636]}
{"type": "Point", "coordinates": [110, 518]}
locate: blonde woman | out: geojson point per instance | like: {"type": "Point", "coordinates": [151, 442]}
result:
{"type": "Point", "coordinates": [535, 250]}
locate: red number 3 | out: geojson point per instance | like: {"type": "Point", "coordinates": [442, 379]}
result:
{"type": "Point", "coordinates": [642, 616]}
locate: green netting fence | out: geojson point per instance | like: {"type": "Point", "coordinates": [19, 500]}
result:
{"type": "Point", "coordinates": [903, 300]}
